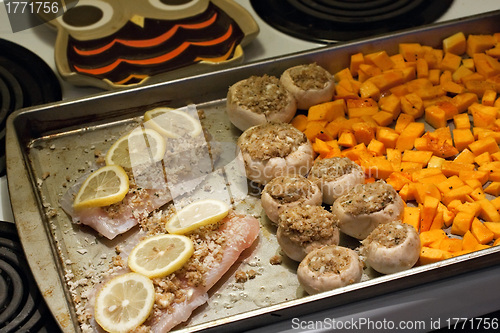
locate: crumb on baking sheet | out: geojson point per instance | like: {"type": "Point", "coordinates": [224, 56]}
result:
{"type": "Point", "coordinates": [241, 276]}
{"type": "Point", "coordinates": [276, 260]}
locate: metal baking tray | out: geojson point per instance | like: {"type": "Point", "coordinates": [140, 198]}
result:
{"type": "Point", "coordinates": [51, 145]}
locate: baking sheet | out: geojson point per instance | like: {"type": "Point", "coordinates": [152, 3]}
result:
{"type": "Point", "coordinates": [54, 144]}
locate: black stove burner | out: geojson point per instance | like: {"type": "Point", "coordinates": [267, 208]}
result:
{"type": "Point", "coordinates": [22, 307]}
{"type": "Point", "coordinates": [25, 80]}
{"type": "Point", "coordinates": [329, 21]}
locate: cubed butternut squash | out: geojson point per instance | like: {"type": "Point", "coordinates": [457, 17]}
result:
{"type": "Point", "coordinates": [469, 241]}
{"type": "Point", "coordinates": [300, 122]}
{"type": "Point", "coordinates": [449, 184]}
{"type": "Point", "coordinates": [411, 216]}
{"type": "Point", "coordinates": [387, 136]}
{"type": "Point", "coordinates": [461, 223]}
{"type": "Point", "coordinates": [429, 210]}
{"type": "Point", "coordinates": [435, 116]}
{"type": "Point", "coordinates": [412, 104]}
{"type": "Point", "coordinates": [450, 62]}
{"type": "Point", "coordinates": [406, 140]}
{"type": "Point", "coordinates": [429, 255]}
{"type": "Point", "coordinates": [484, 145]}
{"type": "Point", "coordinates": [462, 138]}
{"type": "Point", "coordinates": [488, 211]}
{"type": "Point", "coordinates": [459, 193]}
{"type": "Point", "coordinates": [494, 227]}
{"type": "Point", "coordinates": [456, 44]}
{"type": "Point", "coordinates": [392, 104]}
{"type": "Point", "coordinates": [493, 188]}
{"type": "Point", "coordinates": [361, 107]}
{"type": "Point", "coordinates": [451, 245]}
{"type": "Point", "coordinates": [328, 111]}
{"type": "Point", "coordinates": [479, 43]}
{"type": "Point", "coordinates": [482, 233]}
{"type": "Point", "coordinates": [461, 121]}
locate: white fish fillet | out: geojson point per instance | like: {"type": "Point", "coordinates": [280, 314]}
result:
{"type": "Point", "coordinates": [238, 231]}
{"type": "Point", "coordinates": [186, 164]}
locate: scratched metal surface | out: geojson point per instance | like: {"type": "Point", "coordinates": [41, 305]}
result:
{"type": "Point", "coordinates": [50, 146]}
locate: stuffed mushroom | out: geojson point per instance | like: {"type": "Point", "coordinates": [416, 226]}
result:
{"type": "Point", "coordinates": [310, 84]}
{"type": "Point", "coordinates": [285, 192]}
{"type": "Point", "coordinates": [304, 228]}
{"type": "Point", "coordinates": [275, 149]}
{"type": "Point", "coordinates": [366, 206]}
{"type": "Point", "coordinates": [257, 100]}
{"type": "Point", "coordinates": [336, 176]}
{"type": "Point", "coordinates": [328, 268]}
{"type": "Point", "coordinates": [391, 247]}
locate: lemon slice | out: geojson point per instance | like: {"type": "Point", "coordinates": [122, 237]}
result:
{"type": "Point", "coordinates": [172, 123]}
{"type": "Point", "coordinates": [105, 186]}
{"type": "Point", "coordinates": [160, 255]}
{"type": "Point", "coordinates": [141, 146]}
{"type": "Point", "coordinates": [124, 302]}
{"type": "Point", "coordinates": [197, 214]}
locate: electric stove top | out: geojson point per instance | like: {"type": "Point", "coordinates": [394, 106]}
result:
{"type": "Point", "coordinates": [22, 307]}
{"type": "Point", "coordinates": [330, 21]}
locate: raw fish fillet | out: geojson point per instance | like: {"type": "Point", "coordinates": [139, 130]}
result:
{"type": "Point", "coordinates": [186, 164]}
{"type": "Point", "coordinates": [225, 244]}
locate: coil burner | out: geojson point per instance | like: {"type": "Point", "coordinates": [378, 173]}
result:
{"type": "Point", "coordinates": [328, 21]}
{"type": "Point", "coordinates": [22, 307]}
{"type": "Point", "coordinates": [25, 80]}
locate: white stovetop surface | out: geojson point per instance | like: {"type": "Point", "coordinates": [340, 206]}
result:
{"type": "Point", "coordinates": [467, 295]}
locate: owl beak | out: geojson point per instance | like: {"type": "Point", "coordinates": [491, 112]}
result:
{"type": "Point", "coordinates": [137, 19]}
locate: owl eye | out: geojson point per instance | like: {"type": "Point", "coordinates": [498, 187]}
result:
{"type": "Point", "coordinates": [175, 4]}
{"type": "Point", "coordinates": [87, 15]}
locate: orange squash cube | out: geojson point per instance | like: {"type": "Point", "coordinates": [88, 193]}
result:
{"type": "Point", "coordinates": [461, 121]}
{"type": "Point", "coordinates": [387, 136]}
{"type": "Point", "coordinates": [469, 241]}
{"type": "Point", "coordinates": [356, 60]}
{"type": "Point", "coordinates": [383, 118]}
{"type": "Point", "coordinates": [429, 255]}
{"type": "Point", "coordinates": [390, 103]}
{"type": "Point", "coordinates": [376, 147]}
{"type": "Point", "coordinates": [363, 132]}
{"type": "Point", "coordinates": [347, 139]}
{"type": "Point", "coordinates": [451, 183]}
{"type": "Point", "coordinates": [450, 62]}
{"type": "Point", "coordinates": [412, 105]}
{"type": "Point", "coordinates": [461, 72]}
{"type": "Point", "coordinates": [479, 44]}
{"type": "Point", "coordinates": [403, 120]}
{"type": "Point", "coordinates": [463, 101]}
{"type": "Point", "coordinates": [455, 44]}
{"type": "Point", "coordinates": [494, 227]}
{"type": "Point", "coordinates": [406, 140]}
{"type": "Point", "coordinates": [429, 209]}
{"type": "Point", "coordinates": [462, 137]}
{"type": "Point", "coordinates": [488, 211]}
{"type": "Point", "coordinates": [480, 146]}
{"type": "Point", "coordinates": [361, 107]}
{"type": "Point", "coordinates": [451, 245]}
{"type": "Point", "coordinates": [461, 223]}
{"type": "Point", "coordinates": [411, 51]}
{"type": "Point", "coordinates": [380, 59]}
{"type": "Point", "coordinates": [435, 116]}
{"type": "Point", "coordinates": [485, 65]}
{"type": "Point", "coordinates": [328, 111]}
{"type": "Point", "coordinates": [459, 193]}
{"type": "Point", "coordinates": [411, 216]}
{"type": "Point", "coordinates": [482, 233]}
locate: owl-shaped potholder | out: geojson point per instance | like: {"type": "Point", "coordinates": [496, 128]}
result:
{"type": "Point", "coordinates": [122, 43]}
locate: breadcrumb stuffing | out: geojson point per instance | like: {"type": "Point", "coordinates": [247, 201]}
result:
{"type": "Point", "coordinates": [311, 76]}
{"type": "Point", "coordinates": [261, 94]}
{"type": "Point", "coordinates": [272, 139]}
